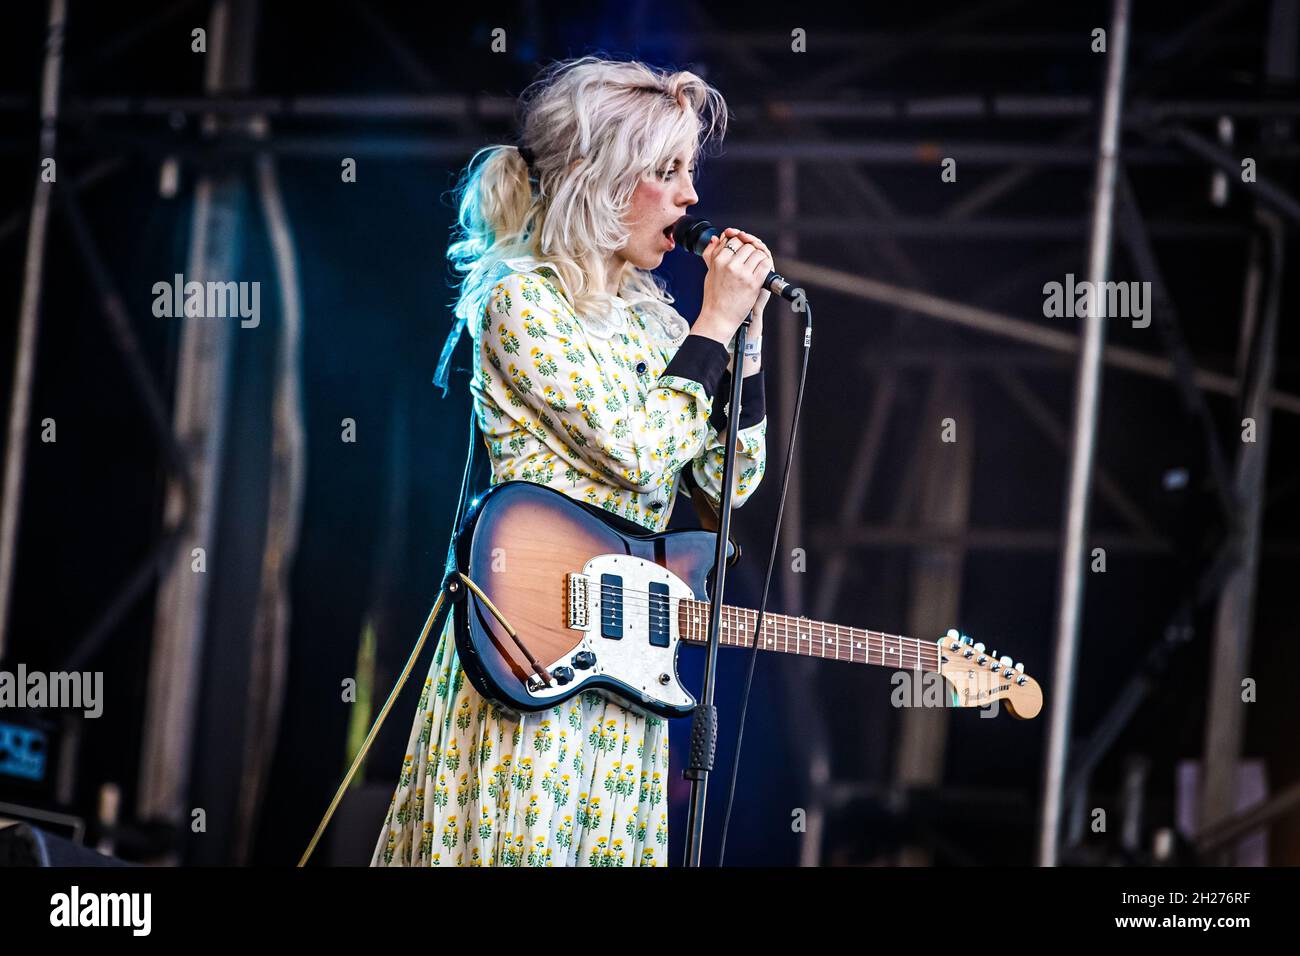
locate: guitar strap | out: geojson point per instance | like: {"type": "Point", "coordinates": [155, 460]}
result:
{"type": "Point", "coordinates": [704, 509]}
{"type": "Point", "coordinates": [472, 485]}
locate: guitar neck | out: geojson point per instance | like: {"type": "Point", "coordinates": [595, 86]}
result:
{"type": "Point", "coordinates": [800, 635]}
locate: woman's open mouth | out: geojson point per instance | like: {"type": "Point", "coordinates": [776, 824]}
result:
{"type": "Point", "coordinates": [668, 234]}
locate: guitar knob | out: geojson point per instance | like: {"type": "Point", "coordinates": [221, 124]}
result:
{"type": "Point", "coordinates": [980, 647]}
{"type": "Point", "coordinates": [953, 636]}
{"type": "Point", "coordinates": [1005, 661]}
{"type": "Point", "coordinates": [1020, 681]}
{"type": "Point", "coordinates": [562, 675]}
{"type": "Point", "coordinates": [1020, 667]}
{"type": "Point", "coordinates": [982, 660]}
{"type": "Point", "coordinates": [967, 640]}
{"type": "Point", "coordinates": [584, 659]}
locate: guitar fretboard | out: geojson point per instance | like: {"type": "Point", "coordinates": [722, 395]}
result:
{"type": "Point", "coordinates": [800, 635]}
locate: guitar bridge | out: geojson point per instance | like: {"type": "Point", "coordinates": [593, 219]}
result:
{"type": "Point", "coordinates": [576, 593]}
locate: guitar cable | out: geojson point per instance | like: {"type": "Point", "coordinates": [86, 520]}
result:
{"type": "Point", "coordinates": [800, 301]}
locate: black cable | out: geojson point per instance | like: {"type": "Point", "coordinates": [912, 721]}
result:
{"type": "Point", "coordinates": [464, 487]}
{"type": "Point", "coordinates": [767, 580]}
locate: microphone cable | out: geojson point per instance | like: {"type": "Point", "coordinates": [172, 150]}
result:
{"type": "Point", "coordinates": [800, 300]}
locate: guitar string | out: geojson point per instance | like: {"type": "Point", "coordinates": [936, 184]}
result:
{"type": "Point", "coordinates": [784, 620]}
{"type": "Point", "coordinates": [652, 597]}
{"type": "Point", "coordinates": [775, 618]}
{"type": "Point", "coordinates": [777, 630]}
{"type": "Point", "coordinates": [909, 647]}
{"type": "Point", "coordinates": [931, 650]}
{"type": "Point", "coordinates": [779, 635]}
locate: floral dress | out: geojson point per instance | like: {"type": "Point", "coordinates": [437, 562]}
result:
{"type": "Point", "coordinates": [609, 411]}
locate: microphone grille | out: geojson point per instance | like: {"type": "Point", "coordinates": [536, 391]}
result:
{"type": "Point", "coordinates": [687, 231]}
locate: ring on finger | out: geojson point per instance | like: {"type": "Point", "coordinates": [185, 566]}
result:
{"type": "Point", "coordinates": [730, 247]}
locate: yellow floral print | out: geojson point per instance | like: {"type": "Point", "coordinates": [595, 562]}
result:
{"type": "Point", "coordinates": [582, 783]}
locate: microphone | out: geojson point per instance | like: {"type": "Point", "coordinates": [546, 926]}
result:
{"type": "Point", "coordinates": [693, 235]}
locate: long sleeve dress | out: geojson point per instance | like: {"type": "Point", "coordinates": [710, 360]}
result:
{"type": "Point", "coordinates": [609, 412]}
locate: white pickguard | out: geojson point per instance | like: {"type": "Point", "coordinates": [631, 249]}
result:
{"type": "Point", "coordinates": [648, 670]}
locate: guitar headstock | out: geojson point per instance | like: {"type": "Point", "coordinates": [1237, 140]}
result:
{"type": "Point", "coordinates": [976, 677]}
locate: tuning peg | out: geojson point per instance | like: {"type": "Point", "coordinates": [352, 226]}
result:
{"type": "Point", "coordinates": [980, 647]}
{"type": "Point", "coordinates": [967, 640]}
{"type": "Point", "coordinates": [1020, 667]}
{"type": "Point", "coordinates": [952, 634]}
{"type": "Point", "coordinates": [1004, 661]}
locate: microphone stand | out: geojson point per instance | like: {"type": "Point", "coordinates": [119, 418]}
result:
{"type": "Point", "coordinates": [704, 719]}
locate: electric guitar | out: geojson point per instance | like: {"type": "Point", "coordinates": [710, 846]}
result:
{"type": "Point", "coordinates": [596, 602]}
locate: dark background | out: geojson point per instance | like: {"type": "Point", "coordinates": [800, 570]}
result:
{"type": "Point", "coordinates": [376, 293]}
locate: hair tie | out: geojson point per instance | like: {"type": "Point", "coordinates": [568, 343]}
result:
{"type": "Point", "coordinates": [527, 156]}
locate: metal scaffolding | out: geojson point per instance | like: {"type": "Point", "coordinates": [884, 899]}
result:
{"type": "Point", "coordinates": [931, 516]}
{"type": "Point", "coordinates": [29, 311]}
{"type": "Point", "coordinates": [1087, 399]}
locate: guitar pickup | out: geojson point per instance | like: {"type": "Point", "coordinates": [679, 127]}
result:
{"type": "Point", "coordinates": [576, 587]}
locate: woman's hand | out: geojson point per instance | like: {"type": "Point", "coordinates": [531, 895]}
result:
{"type": "Point", "coordinates": [761, 302]}
{"type": "Point", "coordinates": [733, 286]}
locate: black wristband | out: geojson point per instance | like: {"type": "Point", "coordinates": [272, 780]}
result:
{"type": "Point", "coordinates": [700, 359]}
{"type": "Point", "coordinates": [752, 402]}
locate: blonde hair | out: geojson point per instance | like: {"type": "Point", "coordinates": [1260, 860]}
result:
{"type": "Point", "coordinates": [595, 128]}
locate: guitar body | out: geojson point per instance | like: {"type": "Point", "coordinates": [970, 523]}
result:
{"type": "Point", "coordinates": [591, 595]}
{"type": "Point", "coordinates": [598, 603]}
